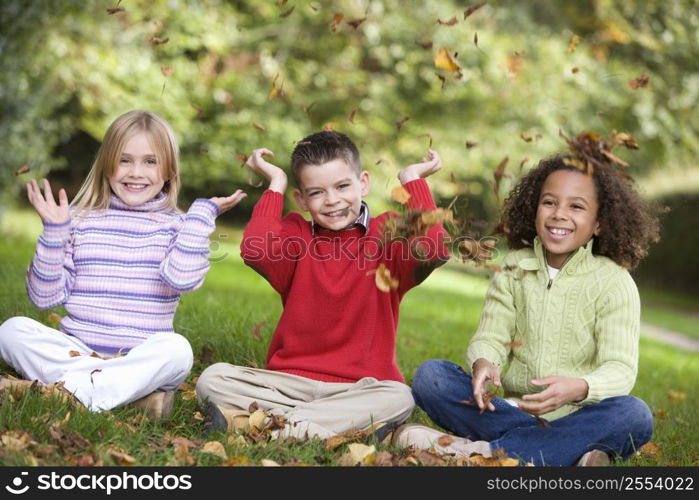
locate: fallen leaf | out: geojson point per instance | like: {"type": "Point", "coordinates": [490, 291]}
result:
{"type": "Point", "coordinates": [215, 448]}
{"type": "Point", "coordinates": [444, 60]}
{"type": "Point", "coordinates": [400, 195]}
{"type": "Point", "coordinates": [450, 22]}
{"type": "Point", "coordinates": [257, 419]}
{"type": "Point", "coordinates": [121, 458]}
{"type": "Point", "coordinates": [158, 41]}
{"type": "Point", "coordinates": [238, 461]}
{"type": "Point", "coordinates": [383, 279]}
{"type": "Point", "coordinates": [266, 462]}
{"type": "Point", "coordinates": [182, 455]}
{"type": "Point", "coordinates": [23, 169]}
{"type": "Point", "coordinates": [337, 19]}
{"type": "Point", "coordinates": [383, 459]}
{"type": "Point", "coordinates": [362, 453]}
{"type": "Point", "coordinates": [428, 459]}
{"type": "Point", "coordinates": [676, 396]}
{"type": "Point", "coordinates": [198, 416]}
{"type": "Point", "coordinates": [651, 450]}
{"type": "Point", "coordinates": [355, 23]}
{"type": "Point", "coordinates": [473, 8]}
{"type": "Point", "coordinates": [256, 330]}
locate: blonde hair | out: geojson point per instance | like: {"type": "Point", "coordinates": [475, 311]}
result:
{"type": "Point", "coordinates": [95, 192]}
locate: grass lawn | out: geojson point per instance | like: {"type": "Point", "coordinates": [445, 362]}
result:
{"type": "Point", "coordinates": [437, 319]}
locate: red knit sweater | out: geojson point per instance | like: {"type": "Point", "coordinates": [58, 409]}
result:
{"type": "Point", "coordinates": [336, 326]}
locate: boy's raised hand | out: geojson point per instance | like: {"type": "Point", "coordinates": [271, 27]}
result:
{"type": "Point", "coordinates": [275, 175]}
{"type": "Point", "coordinates": [429, 165]}
{"type": "Point", "coordinates": [45, 204]}
{"type": "Point", "coordinates": [225, 203]}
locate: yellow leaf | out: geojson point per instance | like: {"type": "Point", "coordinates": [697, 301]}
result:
{"type": "Point", "coordinates": [266, 462]}
{"type": "Point", "coordinates": [676, 396]}
{"type": "Point", "coordinates": [361, 453]}
{"type": "Point", "coordinates": [198, 416]}
{"type": "Point", "coordinates": [436, 216]}
{"type": "Point", "coordinates": [651, 450]}
{"type": "Point", "coordinates": [444, 60]}
{"type": "Point", "coordinates": [508, 462]}
{"type": "Point", "coordinates": [238, 440]}
{"type": "Point", "coordinates": [383, 279]}
{"type": "Point", "coordinates": [239, 460]}
{"type": "Point", "coordinates": [257, 419]}
{"type": "Point", "coordinates": [400, 194]}
{"type": "Point", "coordinates": [54, 318]}
{"type": "Point", "coordinates": [215, 448]}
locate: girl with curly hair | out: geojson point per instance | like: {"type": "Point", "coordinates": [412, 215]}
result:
{"type": "Point", "coordinates": [559, 332]}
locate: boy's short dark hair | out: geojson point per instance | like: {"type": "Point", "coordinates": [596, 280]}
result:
{"type": "Point", "coordinates": [322, 147]}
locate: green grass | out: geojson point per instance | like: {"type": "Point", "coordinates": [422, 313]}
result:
{"type": "Point", "coordinates": [437, 319]}
{"type": "Point", "coordinates": [673, 311]}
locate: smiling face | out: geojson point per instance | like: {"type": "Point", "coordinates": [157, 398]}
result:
{"type": "Point", "coordinates": [566, 217]}
{"type": "Point", "coordinates": [138, 176]}
{"type": "Point", "coordinates": [332, 193]}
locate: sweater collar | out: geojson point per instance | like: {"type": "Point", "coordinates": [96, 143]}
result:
{"type": "Point", "coordinates": [362, 221]}
{"type": "Point", "coordinates": [581, 260]}
{"type": "Point", "coordinates": [157, 204]}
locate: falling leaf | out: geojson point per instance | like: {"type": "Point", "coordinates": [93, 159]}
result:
{"type": "Point", "coordinates": [444, 60]}
{"type": "Point", "coordinates": [383, 279]}
{"type": "Point", "coordinates": [355, 23]}
{"type": "Point", "coordinates": [215, 448]}
{"type": "Point", "coordinates": [471, 144]}
{"type": "Point", "coordinates": [442, 78]}
{"type": "Point", "coordinates": [54, 317]}
{"type": "Point", "coordinates": [475, 39]}
{"type": "Point", "coordinates": [399, 123]}
{"type": "Point", "coordinates": [450, 22]}
{"type": "Point", "coordinates": [350, 117]}
{"type": "Point", "coordinates": [74, 354]}
{"type": "Point", "coordinates": [430, 218]}
{"type": "Point", "coordinates": [328, 127]}
{"type": "Point", "coordinates": [243, 159]}
{"type": "Point", "coordinates": [281, 3]}
{"type": "Point", "coordinates": [259, 127]}
{"type": "Point", "coordinates": [426, 44]}
{"type": "Point", "coordinates": [575, 70]}
{"type": "Point", "coordinates": [519, 53]}
{"type": "Point", "coordinates": [473, 8]}
{"type": "Point", "coordinates": [400, 195]}
{"type": "Point", "coordinates": [114, 10]}
{"type": "Point", "coordinates": [498, 174]}
{"type": "Point", "coordinates": [573, 44]}
{"type": "Point", "coordinates": [307, 109]}
{"type": "Point", "coordinates": [337, 19]}
{"type": "Point", "coordinates": [526, 137]}
{"type": "Point", "coordinates": [166, 70]}
{"type": "Point", "coordinates": [639, 83]}
{"type": "Point", "coordinates": [288, 12]}
{"type": "Point", "coordinates": [624, 139]}
{"type": "Point", "coordinates": [256, 330]}
{"type": "Point", "coordinates": [158, 41]}
{"type": "Point", "coordinates": [362, 453]}
{"type": "Point", "coordinates": [23, 169]}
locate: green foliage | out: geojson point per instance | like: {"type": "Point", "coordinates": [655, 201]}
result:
{"type": "Point", "coordinates": [69, 67]}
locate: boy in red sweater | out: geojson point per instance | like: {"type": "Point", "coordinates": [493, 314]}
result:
{"type": "Point", "coordinates": [331, 364]}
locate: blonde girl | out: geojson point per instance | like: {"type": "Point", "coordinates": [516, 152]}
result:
{"type": "Point", "coordinates": [118, 260]}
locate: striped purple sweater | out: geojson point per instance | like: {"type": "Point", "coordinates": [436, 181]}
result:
{"type": "Point", "coordinates": [120, 272]}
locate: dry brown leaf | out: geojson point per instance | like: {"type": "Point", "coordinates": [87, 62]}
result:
{"type": "Point", "coordinates": [427, 458]}
{"type": "Point", "coordinates": [400, 194]}
{"type": "Point", "coordinates": [215, 448]}
{"type": "Point", "coordinates": [337, 19]}
{"type": "Point", "coordinates": [445, 440]}
{"type": "Point", "coordinates": [288, 12]}
{"type": "Point", "coordinates": [23, 169]}
{"type": "Point", "coordinates": [639, 83]}
{"type": "Point", "coordinates": [198, 416]}
{"type": "Point", "coordinates": [573, 44]}
{"type": "Point", "coordinates": [74, 354]}
{"type": "Point", "coordinates": [651, 450]}
{"type": "Point", "coordinates": [450, 22]}
{"type": "Point", "coordinates": [362, 453]}
{"type": "Point", "coordinates": [438, 215]}
{"type": "Point", "coordinates": [158, 41]}
{"type": "Point", "coordinates": [575, 70]}
{"type": "Point", "coordinates": [401, 122]}
{"type": "Point", "coordinates": [121, 458]}
{"type": "Point", "coordinates": [258, 126]}
{"type": "Point", "coordinates": [473, 8]}
{"type": "Point", "coordinates": [444, 60]}
{"type": "Point", "coordinates": [425, 44]}
{"type": "Point", "coordinates": [257, 419]}
{"type": "Point", "coordinates": [471, 144]}
{"type": "Point", "coordinates": [676, 396]}
{"type": "Point", "coordinates": [182, 456]}
{"type": "Point", "coordinates": [350, 117]}
{"type": "Point", "coordinates": [114, 10]}
{"type": "Point", "coordinates": [356, 23]}
{"type": "Point", "coordinates": [383, 279]}
{"type": "Point", "coordinates": [256, 330]}
{"type": "Point", "coordinates": [383, 459]}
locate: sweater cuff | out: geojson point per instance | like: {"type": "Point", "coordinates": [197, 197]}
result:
{"type": "Point", "coordinates": [475, 352]}
{"type": "Point", "coordinates": [56, 233]}
{"type": "Point", "coordinates": [205, 208]}
{"type": "Point", "coordinates": [270, 204]}
{"type": "Point", "coordinates": [420, 195]}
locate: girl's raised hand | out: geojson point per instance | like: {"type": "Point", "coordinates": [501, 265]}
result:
{"type": "Point", "coordinates": [275, 175]}
{"type": "Point", "coordinates": [225, 203]}
{"type": "Point", "coordinates": [429, 165]}
{"type": "Point", "coordinates": [45, 204]}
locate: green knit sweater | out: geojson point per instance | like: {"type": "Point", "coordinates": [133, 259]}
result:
{"type": "Point", "coordinates": [584, 323]}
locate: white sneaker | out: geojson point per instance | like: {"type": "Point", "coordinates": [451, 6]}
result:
{"type": "Point", "coordinates": [594, 458]}
{"type": "Point", "coordinates": [426, 438]}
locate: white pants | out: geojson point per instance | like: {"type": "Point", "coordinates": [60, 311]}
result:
{"type": "Point", "coordinates": [312, 408]}
{"type": "Point", "coordinates": [41, 353]}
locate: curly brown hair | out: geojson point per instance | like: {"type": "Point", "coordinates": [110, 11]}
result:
{"type": "Point", "coordinates": [628, 223]}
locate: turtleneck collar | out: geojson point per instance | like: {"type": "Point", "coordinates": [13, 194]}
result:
{"type": "Point", "coordinates": [157, 204]}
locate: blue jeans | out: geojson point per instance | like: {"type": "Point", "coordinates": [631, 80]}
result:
{"type": "Point", "coordinates": [618, 425]}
